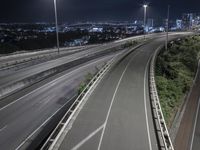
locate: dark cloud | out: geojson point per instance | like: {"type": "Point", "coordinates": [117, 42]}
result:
{"type": "Point", "coordinates": [90, 10]}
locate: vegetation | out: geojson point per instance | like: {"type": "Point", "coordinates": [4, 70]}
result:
{"type": "Point", "coordinates": [82, 86]}
{"type": "Point", "coordinates": [175, 71]}
{"type": "Point", "coordinates": [129, 44]}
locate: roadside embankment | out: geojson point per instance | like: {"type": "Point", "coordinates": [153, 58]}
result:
{"type": "Point", "coordinates": [175, 72]}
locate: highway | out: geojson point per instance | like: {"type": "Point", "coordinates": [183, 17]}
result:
{"type": "Point", "coordinates": [117, 114]}
{"type": "Point", "coordinates": [25, 112]}
{"type": "Point", "coordinates": [12, 79]}
{"type": "Point", "coordinates": [22, 116]}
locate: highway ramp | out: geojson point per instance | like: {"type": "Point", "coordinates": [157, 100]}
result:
{"type": "Point", "coordinates": [117, 115]}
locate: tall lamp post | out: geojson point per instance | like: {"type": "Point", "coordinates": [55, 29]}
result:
{"type": "Point", "coordinates": [167, 29]}
{"type": "Point", "coordinates": [145, 16]}
{"type": "Point", "coordinates": [56, 23]}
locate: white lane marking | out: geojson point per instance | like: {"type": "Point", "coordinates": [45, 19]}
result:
{"type": "Point", "coordinates": [113, 98]}
{"type": "Point", "coordinates": [195, 124]}
{"type": "Point", "coordinates": [51, 83]}
{"type": "Point", "coordinates": [197, 71]}
{"type": "Point", "coordinates": [145, 104]}
{"type": "Point", "coordinates": [88, 137]}
{"type": "Point", "coordinates": [3, 128]}
{"type": "Point", "coordinates": [42, 125]}
{"type": "Point", "coordinates": [191, 145]}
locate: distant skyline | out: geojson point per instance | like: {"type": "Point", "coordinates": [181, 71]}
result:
{"type": "Point", "coordinates": [91, 10]}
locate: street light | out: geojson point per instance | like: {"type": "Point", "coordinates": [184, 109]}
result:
{"type": "Point", "coordinates": [56, 23]}
{"type": "Point", "coordinates": [145, 15]}
{"type": "Point", "coordinates": [167, 30]}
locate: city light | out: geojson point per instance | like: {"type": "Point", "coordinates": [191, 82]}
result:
{"type": "Point", "coordinates": [145, 5]}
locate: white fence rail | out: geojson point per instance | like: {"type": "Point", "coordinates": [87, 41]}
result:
{"type": "Point", "coordinates": [162, 131]}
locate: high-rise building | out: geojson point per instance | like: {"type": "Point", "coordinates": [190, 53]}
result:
{"type": "Point", "coordinates": [187, 20]}
{"type": "Point", "coordinates": [190, 20]}
{"type": "Point", "coordinates": [179, 24]}
{"type": "Point", "coordinates": [196, 19]}
{"type": "Point", "coordinates": [150, 23]}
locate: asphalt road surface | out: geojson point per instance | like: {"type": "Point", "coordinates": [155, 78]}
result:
{"type": "Point", "coordinates": [117, 115]}
{"type": "Point", "coordinates": [188, 136]}
{"type": "Point", "coordinates": [196, 136]}
{"type": "Point", "coordinates": [25, 114]}
{"type": "Point", "coordinates": [22, 115]}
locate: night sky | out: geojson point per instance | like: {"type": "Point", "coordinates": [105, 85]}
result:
{"type": "Point", "coordinates": [91, 10]}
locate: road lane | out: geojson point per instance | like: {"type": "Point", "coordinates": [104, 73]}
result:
{"type": "Point", "coordinates": [23, 116]}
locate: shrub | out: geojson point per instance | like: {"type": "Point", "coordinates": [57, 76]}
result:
{"type": "Point", "coordinates": [175, 70]}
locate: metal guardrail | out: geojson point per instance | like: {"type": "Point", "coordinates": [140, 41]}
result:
{"type": "Point", "coordinates": [162, 131]}
{"type": "Point", "coordinates": [72, 110]}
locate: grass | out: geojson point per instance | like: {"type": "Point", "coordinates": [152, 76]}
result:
{"type": "Point", "coordinates": [175, 71]}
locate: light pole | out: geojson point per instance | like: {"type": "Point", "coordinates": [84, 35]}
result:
{"type": "Point", "coordinates": [56, 23]}
{"type": "Point", "coordinates": [167, 29]}
{"type": "Point", "coordinates": [145, 15]}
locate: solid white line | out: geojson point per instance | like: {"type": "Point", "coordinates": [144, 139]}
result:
{"type": "Point", "coordinates": [193, 132]}
{"type": "Point", "coordinates": [195, 124]}
{"type": "Point", "coordinates": [3, 128]}
{"type": "Point", "coordinates": [145, 105]}
{"type": "Point", "coordinates": [87, 138]}
{"type": "Point", "coordinates": [43, 124]}
{"type": "Point", "coordinates": [113, 98]}
{"type": "Point", "coordinates": [50, 83]}
{"type": "Point", "coordinates": [197, 72]}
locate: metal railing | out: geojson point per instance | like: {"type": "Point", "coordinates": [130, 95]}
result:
{"type": "Point", "coordinates": [51, 141]}
{"type": "Point", "coordinates": [162, 131]}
